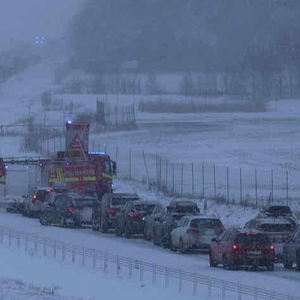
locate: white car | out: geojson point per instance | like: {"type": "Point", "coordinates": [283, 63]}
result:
{"type": "Point", "coordinates": [34, 201]}
{"type": "Point", "coordinates": [195, 233]}
{"type": "Point", "coordinates": [12, 203]}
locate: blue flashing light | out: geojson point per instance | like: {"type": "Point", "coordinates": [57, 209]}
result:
{"type": "Point", "coordinates": [6, 167]}
{"type": "Point", "coordinates": [69, 122]}
{"type": "Point", "coordinates": [97, 153]}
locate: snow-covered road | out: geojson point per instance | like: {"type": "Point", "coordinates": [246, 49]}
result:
{"type": "Point", "coordinates": [280, 280]}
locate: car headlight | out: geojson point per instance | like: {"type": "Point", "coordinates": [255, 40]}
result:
{"type": "Point", "coordinates": [144, 219]}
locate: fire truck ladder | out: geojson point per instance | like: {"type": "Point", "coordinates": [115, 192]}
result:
{"type": "Point", "coordinates": [25, 161]}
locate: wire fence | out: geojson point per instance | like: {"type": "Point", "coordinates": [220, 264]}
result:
{"type": "Point", "coordinates": [160, 276]}
{"type": "Point", "coordinates": [231, 185]}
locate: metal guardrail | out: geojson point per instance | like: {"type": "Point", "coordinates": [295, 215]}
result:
{"type": "Point", "coordinates": [142, 268]}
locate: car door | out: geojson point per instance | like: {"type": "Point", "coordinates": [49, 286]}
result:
{"type": "Point", "coordinates": [176, 232]}
{"type": "Point", "coordinates": [222, 245]}
{"type": "Point", "coordinates": [60, 208]}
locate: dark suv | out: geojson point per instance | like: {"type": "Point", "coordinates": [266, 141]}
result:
{"type": "Point", "coordinates": [131, 219]}
{"type": "Point", "coordinates": [67, 210]}
{"type": "Point", "coordinates": [104, 212]}
{"type": "Point", "coordinates": [291, 252]}
{"type": "Point", "coordinates": [241, 247]}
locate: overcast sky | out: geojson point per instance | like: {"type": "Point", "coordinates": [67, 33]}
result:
{"type": "Point", "coordinates": [23, 20]}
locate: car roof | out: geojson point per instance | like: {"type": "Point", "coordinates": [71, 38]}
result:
{"type": "Point", "coordinates": [274, 221]}
{"type": "Point", "coordinates": [122, 195]}
{"type": "Point", "coordinates": [246, 231]}
{"type": "Point", "coordinates": [203, 217]}
{"type": "Point", "coordinates": [182, 203]}
{"type": "Point", "coordinates": [39, 188]}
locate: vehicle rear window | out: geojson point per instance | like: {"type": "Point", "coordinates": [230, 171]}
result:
{"type": "Point", "coordinates": [121, 201]}
{"type": "Point", "coordinates": [277, 227]}
{"type": "Point", "coordinates": [278, 210]}
{"type": "Point", "coordinates": [184, 209]}
{"type": "Point", "coordinates": [206, 223]}
{"type": "Point", "coordinates": [144, 207]}
{"type": "Point", "coordinates": [82, 202]}
{"type": "Point", "coordinates": [252, 238]}
{"type": "Point", "coordinates": [42, 194]}
{"type": "Point", "coordinates": [178, 217]}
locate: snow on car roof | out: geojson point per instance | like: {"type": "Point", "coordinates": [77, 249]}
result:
{"type": "Point", "coordinates": [182, 203]}
{"type": "Point", "coordinates": [274, 221]}
{"type": "Point", "coordinates": [202, 217]}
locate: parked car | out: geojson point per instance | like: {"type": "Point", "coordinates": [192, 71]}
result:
{"type": "Point", "coordinates": [168, 221]}
{"type": "Point", "coordinates": [68, 210]}
{"type": "Point", "coordinates": [150, 220]}
{"type": "Point", "coordinates": [279, 231]}
{"type": "Point", "coordinates": [131, 219]}
{"type": "Point", "coordinates": [242, 247]}
{"type": "Point", "coordinates": [33, 203]}
{"type": "Point", "coordinates": [105, 211]}
{"type": "Point", "coordinates": [195, 233]}
{"type": "Point", "coordinates": [275, 211]}
{"type": "Point", "coordinates": [291, 252]}
{"type": "Point", "coordinates": [13, 203]}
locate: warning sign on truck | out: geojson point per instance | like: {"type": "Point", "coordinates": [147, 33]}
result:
{"type": "Point", "coordinates": [77, 137]}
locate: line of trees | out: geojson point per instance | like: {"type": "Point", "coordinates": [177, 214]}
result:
{"type": "Point", "coordinates": [251, 42]}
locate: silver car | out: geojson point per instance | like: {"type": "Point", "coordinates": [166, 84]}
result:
{"type": "Point", "coordinates": [195, 233]}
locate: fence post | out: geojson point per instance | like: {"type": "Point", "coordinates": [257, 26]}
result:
{"type": "Point", "coordinates": [26, 243]}
{"type": "Point", "coordinates": [209, 287]}
{"type": "Point", "coordinates": [83, 256]}
{"type": "Point", "coordinates": [193, 181]}
{"type": "Point", "coordinates": [9, 237]}
{"type": "Point", "coordinates": [18, 241]}
{"type": "Point", "coordinates": [130, 268]}
{"type": "Point", "coordinates": [160, 173]}
{"type": "Point", "coordinates": [272, 186]}
{"type": "Point", "coordinates": [45, 247]}
{"type": "Point", "coordinates": [179, 282]}
{"type": "Point", "coordinates": [255, 293]}
{"type": "Point", "coordinates": [239, 292]}
{"type": "Point", "coordinates": [118, 265]}
{"type": "Point", "coordinates": [287, 186]}
{"type": "Point", "coordinates": [156, 169]}
{"type": "Point", "coordinates": [146, 168]}
{"type": "Point", "coordinates": [104, 262]}
{"type": "Point", "coordinates": [215, 187]}
{"type": "Point", "coordinates": [202, 180]}
{"type": "Point", "coordinates": [166, 176]}
{"type": "Point", "coordinates": [54, 250]}
{"type": "Point", "coordinates": [63, 254]}
{"type": "Point", "coordinates": [166, 278]}
{"type": "Point", "coordinates": [94, 260]}
{"type": "Point", "coordinates": [2, 235]}
{"type": "Point", "coordinates": [223, 290]}
{"type": "Point", "coordinates": [73, 255]}
{"type": "Point", "coordinates": [181, 192]}
{"type": "Point", "coordinates": [154, 275]}
{"type": "Point", "coordinates": [227, 184]}
{"type": "Point", "coordinates": [36, 244]}
{"type": "Point", "coordinates": [256, 198]}
{"type": "Point", "coordinates": [141, 271]}
{"type": "Point", "coordinates": [195, 285]}
{"type": "Point", "coordinates": [241, 187]}
{"type": "Point", "coordinates": [129, 163]}
{"type": "Point", "coordinates": [117, 154]}
{"type": "Point", "coordinates": [173, 178]}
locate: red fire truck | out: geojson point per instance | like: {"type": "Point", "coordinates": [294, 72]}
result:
{"type": "Point", "coordinates": [78, 168]}
{"type": "Point", "coordinates": [92, 174]}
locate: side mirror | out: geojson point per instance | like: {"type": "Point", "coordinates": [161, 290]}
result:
{"type": "Point", "coordinates": [214, 240]}
{"type": "Point", "coordinates": [114, 167]}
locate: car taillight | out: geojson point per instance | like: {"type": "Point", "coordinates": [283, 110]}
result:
{"type": "Point", "coordinates": [71, 209]}
{"type": "Point", "coordinates": [34, 198]}
{"type": "Point", "coordinates": [192, 230]}
{"type": "Point", "coordinates": [111, 210]}
{"type": "Point", "coordinates": [48, 190]}
{"type": "Point", "coordinates": [272, 247]}
{"type": "Point", "coordinates": [134, 215]}
{"type": "Point", "coordinates": [234, 247]}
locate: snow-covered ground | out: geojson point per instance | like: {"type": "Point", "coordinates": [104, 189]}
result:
{"type": "Point", "coordinates": [265, 141]}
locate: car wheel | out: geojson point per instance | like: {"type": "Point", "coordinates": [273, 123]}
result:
{"type": "Point", "coordinates": [226, 264]}
{"type": "Point", "coordinates": [286, 263]}
{"type": "Point", "coordinates": [95, 226]}
{"type": "Point", "coordinates": [181, 246]}
{"type": "Point", "coordinates": [127, 233]}
{"type": "Point", "coordinates": [298, 261]}
{"type": "Point", "coordinates": [117, 231]}
{"type": "Point", "coordinates": [104, 229]}
{"type": "Point", "coordinates": [212, 263]}
{"type": "Point", "coordinates": [155, 239]}
{"type": "Point", "coordinates": [44, 220]}
{"type": "Point", "coordinates": [270, 267]}
{"type": "Point", "coordinates": [62, 222]}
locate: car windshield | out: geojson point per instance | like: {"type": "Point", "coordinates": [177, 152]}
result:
{"type": "Point", "coordinates": [277, 227]}
{"type": "Point", "coordinates": [42, 194]}
{"type": "Point", "coordinates": [144, 207]}
{"type": "Point", "coordinates": [252, 238]}
{"type": "Point", "coordinates": [83, 202]}
{"type": "Point", "coordinates": [121, 201]}
{"type": "Point", "coordinates": [279, 210]}
{"type": "Point", "coordinates": [206, 223]}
